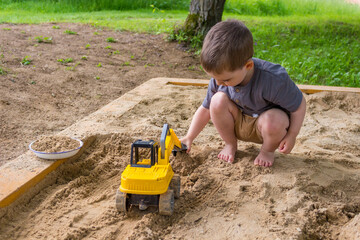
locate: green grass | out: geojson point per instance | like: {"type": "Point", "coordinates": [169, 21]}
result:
{"type": "Point", "coordinates": [26, 61]}
{"type": "Point", "coordinates": [143, 20]}
{"type": "Point", "coordinates": [290, 7]}
{"type": "Point", "coordinates": [64, 61]}
{"type": "Point", "coordinates": [320, 52]}
{"type": "Point", "coordinates": [56, 6]}
{"type": "Point", "coordinates": [2, 71]}
{"type": "Point", "coordinates": [242, 7]}
{"type": "Point", "coordinates": [67, 31]}
{"type": "Point", "coordinates": [41, 39]}
{"type": "Point", "coordinates": [316, 41]}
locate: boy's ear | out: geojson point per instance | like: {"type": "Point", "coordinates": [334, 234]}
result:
{"type": "Point", "coordinates": [249, 64]}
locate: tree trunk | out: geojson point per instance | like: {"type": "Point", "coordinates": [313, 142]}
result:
{"type": "Point", "coordinates": [203, 15]}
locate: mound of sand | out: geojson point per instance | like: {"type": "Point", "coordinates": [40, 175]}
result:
{"type": "Point", "coordinates": [313, 193]}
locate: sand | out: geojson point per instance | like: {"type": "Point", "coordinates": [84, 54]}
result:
{"type": "Point", "coordinates": [312, 193]}
{"type": "Point", "coordinates": [51, 144]}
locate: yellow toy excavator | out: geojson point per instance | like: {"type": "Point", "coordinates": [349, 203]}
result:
{"type": "Point", "coordinates": [150, 181]}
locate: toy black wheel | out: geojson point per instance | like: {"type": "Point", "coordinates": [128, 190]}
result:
{"type": "Point", "coordinates": [175, 185]}
{"type": "Point", "coordinates": [166, 203]}
{"type": "Point", "coordinates": [121, 201]}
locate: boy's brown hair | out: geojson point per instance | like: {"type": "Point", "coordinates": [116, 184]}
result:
{"type": "Point", "coordinates": [227, 47]}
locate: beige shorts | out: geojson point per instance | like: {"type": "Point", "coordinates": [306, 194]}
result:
{"type": "Point", "coordinates": [246, 128]}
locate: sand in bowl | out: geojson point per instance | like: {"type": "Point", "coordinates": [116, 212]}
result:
{"type": "Point", "coordinates": [55, 147]}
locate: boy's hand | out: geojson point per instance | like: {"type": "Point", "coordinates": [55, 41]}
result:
{"type": "Point", "coordinates": [287, 144]}
{"type": "Point", "coordinates": [200, 119]}
{"type": "Point", "coordinates": [296, 119]}
{"type": "Point", "coordinates": [187, 142]}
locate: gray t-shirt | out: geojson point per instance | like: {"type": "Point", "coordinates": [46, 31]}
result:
{"type": "Point", "coordinates": [269, 87]}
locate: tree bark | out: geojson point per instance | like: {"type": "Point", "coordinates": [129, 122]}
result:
{"type": "Point", "coordinates": [203, 15]}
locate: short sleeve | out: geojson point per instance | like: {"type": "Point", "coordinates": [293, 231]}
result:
{"type": "Point", "coordinates": [283, 92]}
{"type": "Point", "coordinates": [212, 89]}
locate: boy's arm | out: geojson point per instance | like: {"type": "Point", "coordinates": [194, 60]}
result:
{"type": "Point", "coordinates": [296, 120]}
{"type": "Point", "coordinates": [199, 121]}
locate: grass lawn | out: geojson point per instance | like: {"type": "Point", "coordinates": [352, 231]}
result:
{"type": "Point", "coordinates": [320, 49]}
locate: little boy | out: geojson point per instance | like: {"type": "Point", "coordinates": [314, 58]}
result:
{"type": "Point", "coordinates": [247, 99]}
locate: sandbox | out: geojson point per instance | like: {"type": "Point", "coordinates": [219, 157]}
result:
{"type": "Point", "coordinates": [312, 193]}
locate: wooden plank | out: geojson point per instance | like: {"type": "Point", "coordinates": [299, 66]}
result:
{"type": "Point", "coordinates": [309, 89]}
{"type": "Point", "coordinates": [188, 82]}
{"type": "Point", "coordinates": [314, 89]}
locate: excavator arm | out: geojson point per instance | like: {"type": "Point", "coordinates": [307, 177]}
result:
{"type": "Point", "coordinates": [168, 142]}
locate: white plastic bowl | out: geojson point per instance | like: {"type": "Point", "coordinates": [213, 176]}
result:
{"type": "Point", "coordinates": [57, 155]}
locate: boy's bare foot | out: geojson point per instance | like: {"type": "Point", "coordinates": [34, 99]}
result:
{"type": "Point", "coordinates": [228, 153]}
{"type": "Point", "coordinates": [265, 159]}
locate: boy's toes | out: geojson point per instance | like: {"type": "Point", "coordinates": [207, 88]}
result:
{"type": "Point", "coordinates": [263, 163]}
{"type": "Point", "coordinates": [267, 164]}
{"type": "Point", "coordinates": [265, 159]}
{"type": "Point", "coordinates": [226, 158]}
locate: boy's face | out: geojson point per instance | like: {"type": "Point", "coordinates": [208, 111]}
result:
{"type": "Point", "coordinates": [230, 79]}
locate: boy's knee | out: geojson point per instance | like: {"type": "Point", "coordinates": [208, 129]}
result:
{"type": "Point", "coordinates": [274, 121]}
{"type": "Point", "coordinates": [219, 101]}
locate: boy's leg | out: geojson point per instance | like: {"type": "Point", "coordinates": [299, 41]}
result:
{"type": "Point", "coordinates": [272, 125]}
{"type": "Point", "coordinates": [223, 113]}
